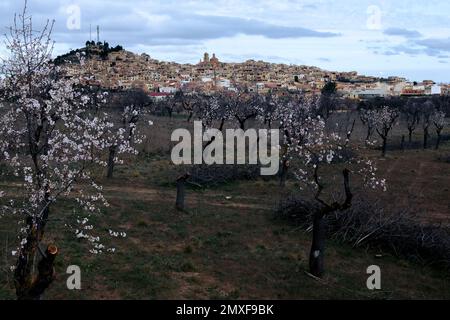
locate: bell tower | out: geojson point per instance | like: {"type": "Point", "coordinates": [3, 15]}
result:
{"type": "Point", "coordinates": [206, 57]}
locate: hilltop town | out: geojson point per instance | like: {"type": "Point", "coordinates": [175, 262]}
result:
{"type": "Point", "coordinates": [118, 69]}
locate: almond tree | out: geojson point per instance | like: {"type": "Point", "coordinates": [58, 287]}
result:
{"type": "Point", "coordinates": [438, 119]}
{"type": "Point", "coordinates": [292, 115]}
{"type": "Point", "coordinates": [123, 136]}
{"type": "Point", "coordinates": [212, 110]}
{"type": "Point", "coordinates": [168, 106]}
{"type": "Point", "coordinates": [51, 140]}
{"type": "Point", "coordinates": [368, 119]}
{"type": "Point", "coordinates": [268, 110]}
{"type": "Point", "coordinates": [189, 103]}
{"type": "Point", "coordinates": [316, 148]}
{"type": "Point", "coordinates": [242, 107]}
{"type": "Point", "coordinates": [384, 118]}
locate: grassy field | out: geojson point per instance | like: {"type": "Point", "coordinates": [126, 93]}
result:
{"type": "Point", "coordinates": [228, 244]}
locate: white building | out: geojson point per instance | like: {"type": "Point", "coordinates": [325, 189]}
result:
{"type": "Point", "coordinates": [169, 90]}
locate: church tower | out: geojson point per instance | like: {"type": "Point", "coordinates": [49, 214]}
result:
{"type": "Point", "coordinates": [206, 57]}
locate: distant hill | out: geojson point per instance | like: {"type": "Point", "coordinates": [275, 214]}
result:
{"type": "Point", "coordinates": [100, 49]}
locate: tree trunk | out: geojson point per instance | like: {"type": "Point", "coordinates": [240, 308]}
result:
{"type": "Point", "coordinates": [410, 136]}
{"type": "Point", "coordinates": [425, 138]}
{"type": "Point", "coordinates": [111, 162]}
{"type": "Point", "coordinates": [402, 145]}
{"type": "Point", "coordinates": [316, 256]}
{"type": "Point", "coordinates": [284, 173]}
{"type": "Point", "coordinates": [181, 191]}
{"type": "Point", "coordinates": [46, 273]}
{"type": "Point", "coordinates": [369, 134]}
{"type": "Point", "coordinates": [30, 286]}
{"type": "Point", "coordinates": [438, 141]}
{"type": "Point", "coordinates": [384, 147]}
{"type": "Point", "coordinates": [222, 124]}
{"type": "Point", "coordinates": [242, 125]}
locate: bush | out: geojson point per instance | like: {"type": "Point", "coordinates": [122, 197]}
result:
{"type": "Point", "coordinates": [298, 212]}
{"type": "Point", "coordinates": [444, 158]}
{"type": "Point", "coordinates": [215, 175]}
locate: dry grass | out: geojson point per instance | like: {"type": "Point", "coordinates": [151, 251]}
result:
{"type": "Point", "coordinates": [227, 245]}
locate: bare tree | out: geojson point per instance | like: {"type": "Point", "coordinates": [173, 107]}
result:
{"type": "Point", "coordinates": [427, 112]}
{"type": "Point", "coordinates": [438, 119]}
{"type": "Point", "coordinates": [412, 118]}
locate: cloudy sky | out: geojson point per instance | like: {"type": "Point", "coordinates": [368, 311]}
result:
{"type": "Point", "coordinates": [410, 38]}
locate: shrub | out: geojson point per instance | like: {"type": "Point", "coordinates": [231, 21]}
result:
{"type": "Point", "coordinates": [215, 175]}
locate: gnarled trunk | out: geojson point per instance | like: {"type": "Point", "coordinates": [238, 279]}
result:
{"type": "Point", "coordinates": [439, 138]}
{"type": "Point", "coordinates": [369, 134]}
{"type": "Point", "coordinates": [316, 256]}
{"type": "Point", "coordinates": [28, 284]}
{"type": "Point", "coordinates": [384, 147]}
{"type": "Point", "coordinates": [425, 138]}
{"type": "Point", "coordinates": [111, 161]}
{"type": "Point", "coordinates": [284, 173]}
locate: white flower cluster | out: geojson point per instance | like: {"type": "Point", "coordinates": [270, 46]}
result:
{"type": "Point", "coordinates": [314, 145]}
{"type": "Point", "coordinates": [51, 131]}
{"type": "Point", "coordinates": [117, 234]}
{"type": "Point", "coordinates": [84, 231]}
{"type": "Point", "coordinates": [384, 119]}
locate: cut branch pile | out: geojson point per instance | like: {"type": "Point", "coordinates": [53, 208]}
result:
{"type": "Point", "coordinates": [370, 226]}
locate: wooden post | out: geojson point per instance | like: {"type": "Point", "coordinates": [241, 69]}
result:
{"type": "Point", "coordinates": [181, 191]}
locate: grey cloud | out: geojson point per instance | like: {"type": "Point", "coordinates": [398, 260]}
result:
{"type": "Point", "coordinates": [438, 45]}
{"type": "Point", "coordinates": [213, 27]}
{"type": "Point", "coordinates": [438, 48]}
{"type": "Point", "coordinates": [388, 53]}
{"type": "Point", "coordinates": [402, 32]}
{"type": "Point", "coordinates": [183, 30]}
{"type": "Point", "coordinates": [140, 25]}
